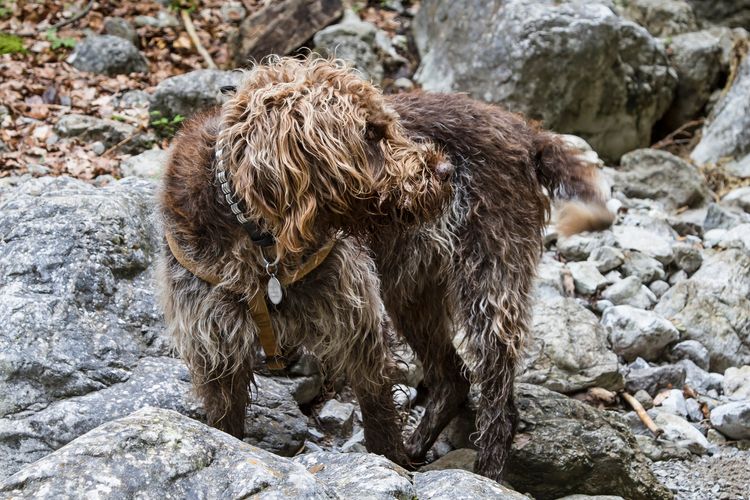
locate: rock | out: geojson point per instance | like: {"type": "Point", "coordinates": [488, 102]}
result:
{"type": "Point", "coordinates": [607, 258]}
{"type": "Point", "coordinates": [148, 165]}
{"type": "Point", "coordinates": [353, 41]}
{"type": "Point", "coordinates": [737, 237]}
{"type": "Point", "coordinates": [687, 257]}
{"type": "Point", "coordinates": [659, 288]}
{"type": "Point", "coordinates": [404, 396]}
{"type": "Point", "coordinates": [662, 18]}
{"type": "Point", "coordinates": [694, 411]}
{"type": "Point", "coordinates": [713, 307]}
{"type": "Point", "coordinates": [645, 268]}
{"type": "Point", "coordinates": [736, 383]}
{"type": "Point", "coordinates": [463, 458]}
{"type": "Point", "coordinates": [273, 421]}
{"type": "Point", "coordinates": [157, 453]}
{"type": "Point", "coordinates": [729, 13]}
{"type": "Point", "coordinates": [337, 416]}
{"type": "Point", "coordinates": [680, 431]}
{"type": "Point", "coordinates": [233, 12]}
{"type": "Point", "coordinates": [568, 351]}
{"type": "Point", "coordinates": [673, 402]}
{"type": "Point", "coordinates": [576, 449]}
{"type": "Point", "coordinates": [644, 241]}
{"type": "Point", "coordinates": [109, 55]}
{"type": "Point", "coordinates": [677, 277]}
{"type": "Point", "coordinates": [460, 485]}
{"type": "Point", "coordinates": [195, 91]}
{"type": "Point", "coordinates": [638, 333]}
{"type": "Point", "coordinates": [724, 217]}
{"type": "Point", "coordinates": [692, 350]}
{"type": "Point", "coordinates": [117, 26]}
{"type": "Point", "coordinates": [658, 175]}
{"type": "Point", "coordinates": [586, 277]}
{"type": "Point", "coordinates": [639, 375]}
{"type": "Point", "coordinates": [163, 19]}
{"type": "Point", "coordinates": [644, 398]}
{"type": "Point", "coordinates": [280, 27]}
{"type": "Point", "coordinates": [727, 134]}
{"type": "Point", "coordinates": [732, 419]}
{"type": "Point", "coordinates": [303, 389]}
{"type": "Point", "coordinates": [549, 278]}
{"type": "Point", "coordinates": [629, 291]}
{"type": "Point", "coordinates": [739, 197]}
{"type": "Point", "coordinates": [109, 132]}
{"type": "Point", "coordinates": [697, 59]}
{"type": "Point", "coordinates": [359, 475]}
{"type": "Point", "coordinates": [355, 444]}
{"type": "Point", "coordinates": [403, 84]}
{"type": "Point", "coordinates": [579, 246]}
{"type": "Point", "coordinates": [132, 99]}
{"type": "Point", "coordinates": [698, 379]}
{"type": "Point", "coordinates": [576, 66]}
{"type": "Point", "coordinates": [740, 168]}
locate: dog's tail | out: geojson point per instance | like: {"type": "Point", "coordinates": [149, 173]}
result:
{"type": "Point", "coordinates": [574, 182]}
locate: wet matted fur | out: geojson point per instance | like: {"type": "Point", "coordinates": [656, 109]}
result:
{"type": "Point", "coordinates": [441, 204]}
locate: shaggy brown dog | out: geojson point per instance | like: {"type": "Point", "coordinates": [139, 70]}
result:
{"type": "Point", "coordinates": [436, 205]}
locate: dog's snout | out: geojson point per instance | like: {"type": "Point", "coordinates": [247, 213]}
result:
{"type": "Point", "coordinates": [444, 170]}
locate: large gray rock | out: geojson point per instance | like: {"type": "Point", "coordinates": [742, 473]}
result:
{"type": "Point", "coordinates": [736, 384]}
{"type": "Point", "coordinates": [713, 307]}
{"type": "Point", "coordinates": [273, 421]}
{"type": "Point", "coordinates": [732, 419]}
{"type": "Point", "coordinates": [107, 54]}
{"type": "Point", "coordinates": [679, 430]}
{"type": "Point", "coordinates": [660, 17]}
{"type": "Point", "coordinates": [631, 292]}
{"type": "Point", "coordinates": [645, 241]}
{"type": "Point", "coordinates": [575, 65]}
{"type": "Point", "coordinates": [568, 351]}
{"type": "Point", "coordinates": [638, 333]}
{"type": "Point", "coordinates": [352, 40]}
{"type": "Point", "coordinates": [192, 92]}
{"type": "Point", "coordinates": [564, 446]}
{"type": "Point", "coordinates": [697, 59]}
{"type": "Point", "coordinates": [727, 134]}
{"type": "Point", "coordinates": [724, 12]}
{"type": "Point", "coordinates": [641, 376]}
{"type": "Point", "coordinates": [156, 454]}
{"type": "Point", "coordinates": [460, 485]}
{"type": "Point", "coordinates": [149, 165]}
{"type": "Point", "coordinates": [360, 475]}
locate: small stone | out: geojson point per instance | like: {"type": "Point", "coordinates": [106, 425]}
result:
{"type": "Point", "coordinates": [109, 55]}
{"type": "Point", "coordinates": [644, 398]}
{"type": "Point", "coordinates": [463, 459]}
{"type": "Point", "coordinates": [644, 241]}
{"type": "Point", "coordinates": [337, 417]}
{"type": "Point", "coordinates": [715, 437]}
{"type": "Point", "coordinates": [736, 384]}
{"type": "Point", "coordinates": [739, 197]}
{"type": "Point", "coordinates": [404, 396]}
{"type": "Point", "coordinates": [579, 246]}
{"type": "Point", "coordinates": [233, 12]}
{"type": "Point", "coordinates": [692, 350]}
{"type": "Point", "coordinates": [694, 412]}
{"type": "Point", "coordinates": [98, 148]}
{"type": "Point", "coordinates": [644, 267]}
{"type": "Point", "coordinates": [659, 288]}
{"type": "Point", "coordinates": [674, 403]}
{"type": "Point", "coordinates": [687, 257]}
{"type": "Point", "coordinates": [117, 26]}
{"type": "Point", "coordinates": [586, 277]}
{"type": "Point", "coordinates": [638, 333]}
{"type": "Point", "coordinates": [677, 277]}
{"type": "Point", "coordinates": [607, 258]}
{"type": "Point", "coordinates": [630, 291]}
{"type": "Point", "coordinates": [682, 433]}
{"type": "Point", "coordinates": [732, 419]}
{"type": "Point", "coordinates": [699, 379]}
{"type": "Point", "coordinates": [602, 305]}
{"type": "Point", "coordinates": [355, 444]}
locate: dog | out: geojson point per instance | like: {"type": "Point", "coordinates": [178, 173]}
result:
{"type": "Point", "coordinates": [312, 211]}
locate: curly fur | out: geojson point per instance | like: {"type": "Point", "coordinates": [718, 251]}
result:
{"type": "Point", "coordinates": [316, 152]}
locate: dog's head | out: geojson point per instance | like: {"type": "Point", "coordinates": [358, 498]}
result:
{"type": "Point", "coordinates": [312, 148]}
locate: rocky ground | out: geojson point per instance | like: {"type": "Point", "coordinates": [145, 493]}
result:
{"type": "Point", "coordinates": [657, 307]}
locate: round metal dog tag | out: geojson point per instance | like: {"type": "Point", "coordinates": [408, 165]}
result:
{"type": "Point", "coordinates": [275, 293]}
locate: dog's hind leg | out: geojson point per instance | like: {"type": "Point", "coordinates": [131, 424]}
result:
{"type": "Point", "coordinates": [225, 398]}
{"type": "Point", "coordinates": [427, 327]}
{"type": "Point", "coordinates": [495, 304]}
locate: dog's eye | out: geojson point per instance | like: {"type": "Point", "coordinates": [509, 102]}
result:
{"type": "Point", "coordinates": [374, 132]}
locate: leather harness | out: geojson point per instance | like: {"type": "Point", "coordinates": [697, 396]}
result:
{"type": "Point", "coordinates": [257, 304]}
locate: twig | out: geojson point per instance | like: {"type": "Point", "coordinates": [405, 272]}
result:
{"type": "Point", "coordinates": [73, 19]}
{"type": "Point", "coordinates": [641, 412]}
{"type": "Point", "coordinates": [190, 28]}
{"type": "Point", "coordinates": [129, 138]}
{"type": "Point", "coordinates": [672, 137]}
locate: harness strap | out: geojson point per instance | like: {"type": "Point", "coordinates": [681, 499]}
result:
{"type": "Point", "coordinates": [257, 304]}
